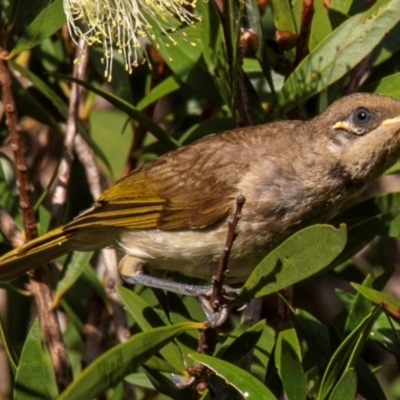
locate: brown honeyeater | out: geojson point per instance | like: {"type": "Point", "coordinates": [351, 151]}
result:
{"type": "Point", "coordinates": [171, 214]}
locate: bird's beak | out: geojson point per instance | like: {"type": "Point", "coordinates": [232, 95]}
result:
{"type": "Point", "coordinates": [390, 121]}
{"type": "Point", "coordinates": [342, 125]}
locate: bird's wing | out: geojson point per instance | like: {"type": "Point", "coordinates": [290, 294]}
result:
{"type": "Point", "coordinates": [191, 190]}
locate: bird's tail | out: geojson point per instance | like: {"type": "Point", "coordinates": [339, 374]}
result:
{"type": "Point", "coordinates": [45, 248]}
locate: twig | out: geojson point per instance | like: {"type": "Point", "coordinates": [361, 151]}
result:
{"type": "Point", "coordinates": [39, 285]}
{"type": "Point", "coordinates": [220, 5]}
{"type": "Point", "coordinates": [95, 329]}
{"type": "Point", "coordinates": [358, 75]}
{"type": "Point", "coordinates": [241, 100]}
{"type": "Point", "coordinates": [306, 19]}
{"type": "Point", "coordinates": [87, 157]}
{"type": "Point", "coordinates": [208, 337]}
{"type": "Point", "coordinates": [9, 229]}
{"type": "Point", "coordinates": [218, 280]}
{"type": "Point", "coordinates": [207, 343]}
{"type": "Point", "coordinates": [113, 278]}
{"type": "Point", "coordinates": [64, 169]}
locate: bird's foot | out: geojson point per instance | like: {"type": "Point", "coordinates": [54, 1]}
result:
{"type": "Point", "coordinates": [216, 314]}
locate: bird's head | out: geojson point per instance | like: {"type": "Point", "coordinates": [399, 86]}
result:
{"type": "Point", "coordinates": [363, 134]}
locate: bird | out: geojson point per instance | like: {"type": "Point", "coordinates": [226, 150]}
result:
{"type": "Point", "coordinates": [171, 214]}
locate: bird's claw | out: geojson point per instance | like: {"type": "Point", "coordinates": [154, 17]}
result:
{"type": "Point", "coordinates": [203, 293]}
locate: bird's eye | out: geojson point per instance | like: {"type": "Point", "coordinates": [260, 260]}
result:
{"type": "Point", "coordinates": [361, 116]}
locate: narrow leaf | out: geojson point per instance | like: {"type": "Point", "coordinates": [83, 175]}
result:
{"type": "Point", "coordinates": [164, 88]}
{"type": "Point", "coordinates": [335, 56]}
{"type": "Point", "coordinates": [388, 85]}
{"type": "Point", "coordinates": [112, 366]}
{"type": "Point", "coordinates": [346, 355]}
{"type": "Point", "coordinates": [75, 269]}
{"type": "Point", "coordinates": [346, 388]}
{"type": "Point", "coordinates": [132, 111]}
{"type": "Point", "coordinates": [215, 51]}
{"type": "Point", "coordinates": [43, 26]}
{"type": "Point", "coordinates": [30, 380]}
{"type": "Point", "coordinates": [288, 363]}
{"type": "Point", "coordinates": [244, 343]}
{"type": "Point", "coordinates": [5, 342]}
{"type": "Point", "coordinates": [391, 305]}
{"type": "Point", "coordinates": [147, 318]}
{"type": "Point", "coordinates": [246, 384]}
{"type": "Point", "coordinates": [360, 308]}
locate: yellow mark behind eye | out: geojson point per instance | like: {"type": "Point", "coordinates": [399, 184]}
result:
{"type": "Point", "coordinates": [390, 121]}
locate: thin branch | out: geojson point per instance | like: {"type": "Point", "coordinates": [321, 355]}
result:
{"type": "Point", "coordinates": [218, 281]}
{"type": "Point", "coordinates": [87, 157]}
{"type": "Point", "coordinates": [306, 20]}
{"type": "Point", "coordinates": [10, 229]}
{"type": "Point", "coordinates": [208, 337]}
{"type": "Point", "coordinates": [39, 285]}
{"type": "Point", "coordinates": [64, 169]}
{"type": "Point", "coordinates": [358, 75]}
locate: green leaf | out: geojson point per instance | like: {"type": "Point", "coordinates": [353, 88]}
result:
{"type": "Point", "coordinates": [28, 105]}
{"type": "Point", "coordinates": [320, 26]}
{"type": "Point", "coordinates": [43, 26]}
{"type": "Point", "coordinates": [147, 318]}
{"type": "Point", "coordinates": [164, 88]}
{"type": "Point", "coordinates": [215, 52]}
{"type": "Point", "coordinates": [288, 333]}
{"type": "Point", "coordinates": [386, 332]}
{"type": "Point", "coordinates": [335, 56]}
{"type": "Point", "coordinates": [361, 307]}
{"type": "Point", "coordinates": [112, 366]}
{"type": "Point", "coordinates": [288, 363]}
{"type": "Point", "coordinates": [387, 85]}
{"type": "Point", "coordinates": [368, 385]}
{"type": "Point", "coordinates": [30, 380]}
{"type": "Point", "coordinates": [58, 102]}
{"type": "Point", "coordinates": [164, 385]}
{"type": "Point", "coordinates": [90, 277]}
{"type": "Point", "coordinates": [75, 269]}
{"type": "Point", "coordinates": [246, 384]}
{"type": "Point", "coordinates": [347, 354]}
{"type": "Point", "coordinates": [346, 388]}
{"type": "Point", "coordinates": [316, 332]}
{"type": "Point", "coordinates": [304, 254]}
{"type": "Point", "coordinates": [185, 59]}
{"type": "Point", "coordinates": [139, 379]}
{"type": "Point", "coordinates": [254, 20]}
{"type": "Point", "coordinates": [375, 216]}
{"type": "Point", "coordinates": [6, 343]}
{"type": "Point", "coordinates": [179, 312]}
{"type": "Point", "coordinates": [132, 111]}
{"type": "Point", "coordinates": [391, 305]}
{"type": "Point", "coordinates": [263, 351]}
{"type": "Point", "coordinates": [284, 20]}
{"type": "Point", "coordinates": [158, 364]}
{"type": "Point", "coordinates": [341, 5]}
{"type": "Point", "coordinates": [283, 16]}
{"type": "Point", "coordinates": [40, 85]}
{"type": "Point", "coordinates": [111, 132]}
{"type": "Point", "coordinates": [359, 235]}
{"type": "Point", "coordinates": [242, 344]}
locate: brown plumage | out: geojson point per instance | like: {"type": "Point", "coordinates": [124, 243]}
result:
{"type": "Point", "coordinates": [171, 214]}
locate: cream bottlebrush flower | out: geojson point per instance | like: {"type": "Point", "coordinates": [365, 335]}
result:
{"type": "Point", "coordinates": [126, 24]}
